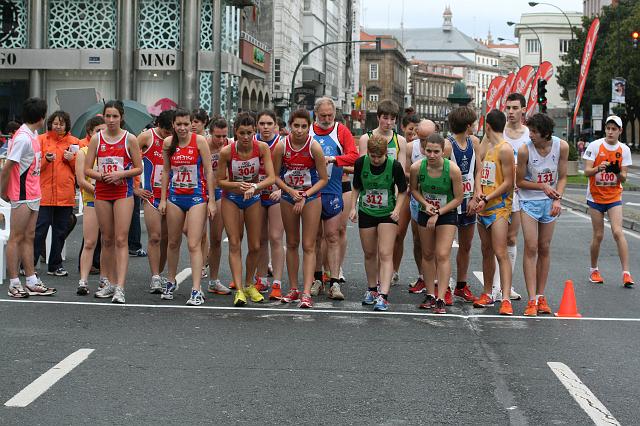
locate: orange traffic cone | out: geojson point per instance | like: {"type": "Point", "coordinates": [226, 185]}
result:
{"type": "Point", "coordinates": [568, 306]}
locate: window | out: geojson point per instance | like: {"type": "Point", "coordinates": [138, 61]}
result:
{"type": "Point", "coordinates": [533, 46]}
{"type": "Point", "coordinates": [305, 49]}
{"type": "Point", "coordinates": [307, 4]}
{"type": "Point", "coordinates": [373, 72]}
{"type": "Point", "coordinates": [564, 46]}
{"type": "Point", "coordinates": [373, 97]}
{"type": "Point", "coordinates": [276, 70]}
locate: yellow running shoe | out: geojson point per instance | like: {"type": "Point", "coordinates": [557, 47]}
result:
{"type": "Point", "coordinates": [240, 299]}
{"type": "Point", "coordinates": [254, 294]}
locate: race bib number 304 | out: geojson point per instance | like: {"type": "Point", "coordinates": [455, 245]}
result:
{"type": "Point", "coordinates": [245, 170]}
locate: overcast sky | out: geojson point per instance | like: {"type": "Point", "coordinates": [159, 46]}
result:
{"type": "Point", "coordinates": [472, 17]}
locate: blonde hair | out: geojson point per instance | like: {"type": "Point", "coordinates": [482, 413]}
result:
{"type": "Point", "coordinates": [377, 145]}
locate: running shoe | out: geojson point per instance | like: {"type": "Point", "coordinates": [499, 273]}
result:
{"type": "Point", "coordinates": [341, 277]}
{"type": "Point", "coordinates": [428, 302]}
{"type": "Point", "coordinates": [138, 253]}
{"type": "Point", "coordinates": [465, 294]}
{"type": "Point", "coordinates": [167, 294]}
{"type": "Point", "coordinates": [253, 293]}
{"type": "Point", "coordinates": [118, 295]}
{"type": "Point", "coordinates": [448, 297]}
{"type": "Point", "coordinates": [60, 272]}
{"type": "Point", "coordinates": [292, 296]}
{"type": "Point", "coordinates": [335, 293]}
{"type": "Point", "coordinates": [418, 287]}
{"type": "Point", "coordinates": [440, 307]}
{"type": "Point", "coordinates": [305, 302]}
{"type": "Point", "coordinates": [104, 282]}
{"type": "Point", "coordinates": [532, 309]}
{"type": "Point", "coordinates": [506, 308]}
{"type": "Point", "coordinates": [156, 285]}
{"type": "Point", "coordinates": [484, 301]}
{"type": "Point", "coordinates": [240, 298]}
{"type": "Point", "coordinates": [216, 287]}
{"type": "Point", "coordinates": [106, 291]}
{"type": "Point", "coordinates": [514, 295]}
{"type": "Point", "coordinates": [627, 280]}
{"type": "Point", "coordinates": [596, 278]}
{"type": "Point", "coordinates": [543, 306]}
{"type": "Point", "coordinates": [369, 297]}
{"type": "Point", "coordinates": [17, 292]}
{"type": "Point", "coordinates": [325, 277]}
{"type": "Point", "coordinates": [276, 291]}
{"type": "Point", "coordinates": [261, 286]}
{"type": "Point", "coordinates": [83, 288]}
{"type": "Point", "coordinates": [382, 304]}
{"type": "Point", "coordinates": [395, 279]}
{"type": "Point", "coordinates": [40, 290]}
{"type": "Point", "coordinates": [196, 298]}
{"type": "Point", "coordinates": [317, 287]}
{"type": "Point", "coordinates": [232, 285]}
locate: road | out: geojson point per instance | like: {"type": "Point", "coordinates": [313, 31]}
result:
{"type": "Point", "coordinates": [162, 362]}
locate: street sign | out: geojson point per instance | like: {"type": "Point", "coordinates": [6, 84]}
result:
{"type": "Point", "coordinates": [597, 111]}
{"type": "Point", "coordinates": [597, 124]}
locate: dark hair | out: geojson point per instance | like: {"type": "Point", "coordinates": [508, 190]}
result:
{"type": "Point", "coordinates": [436, 138]}
{"type": "Point", "coordinates": [410, 118]}
{"type": "Point", "coordinates": [244, 119]}
{"type": "Point", "coordinates": [461, 117]}
{"type": "Point", "coordinates": [517, 97]}
{"type": "Point", "coordinates": [542, 124]}
{"type": "Point", "coordinates": [165, 119]}
{"type": "Point", "coordinates": [409, 110]}
{"type": "Point", "coordinates": [200, 115]}
{"type": "Point", "coordinates": [497, 120]}
{"type": "Point", "coordinates": [300, 113]}
{"type": "Point", "coordinates": [92, 123]}
{"type": "Point", "coordinates": [174, 136]}
{"type": "Point", "coordinates": [12, 127]}
{"type": "Point", "coordinates": [34, 110]}
{"type": "Point", "coordinates": [218, 122]}
{"type": "Point", "coordinates": [62, 116]}
{"type": "Point", "coordinates": [269, 113]}
{"type": "Point", "coordinates": [388, 107]}
{"type": "Point", "coordinates": [117, 105]}
{"type": "Point", "coordinates": [281, 123]}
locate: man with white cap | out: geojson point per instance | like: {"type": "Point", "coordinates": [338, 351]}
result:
{"type": "Point", "coordinates": [606, 166]}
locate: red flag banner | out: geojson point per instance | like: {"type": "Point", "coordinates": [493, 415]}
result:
{"type": "Point", "coordinates": [508, 85]}
{"type": "Point", "coordinates": [545, 72]}
{"type": "Point", "coordinates": [494, 93]}
{"type": "Point", "coordinates": [523, 80]}
{"type": "Point", "coordinates": [589, 47]}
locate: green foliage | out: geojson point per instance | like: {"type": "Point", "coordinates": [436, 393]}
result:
{"type": "Point", "coordinates": [573, 152]}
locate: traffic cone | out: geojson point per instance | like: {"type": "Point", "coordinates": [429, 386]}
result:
{"type": "Point", "coordinates": [568, 307]}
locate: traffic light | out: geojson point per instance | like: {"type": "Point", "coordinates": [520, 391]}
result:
{"type": "Point", "coordinates": [634, 36]}
{"type": "Point", "coordinates": [542, 95]}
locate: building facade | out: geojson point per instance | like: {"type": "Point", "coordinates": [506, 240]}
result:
{"type": "Point", "coordinates": [157, 52]}
{"type": "Point", "coordinates": [429, 87]}
{"type": "Point", "coordinates": [592, 8]}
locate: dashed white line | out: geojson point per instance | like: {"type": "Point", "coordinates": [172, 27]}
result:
{"type": "Point", "coordinates": [583, 396]}
{"type": "Point", "coordinates": [40, 385]}
{"type": "Point", "coordinates": [606, 223]}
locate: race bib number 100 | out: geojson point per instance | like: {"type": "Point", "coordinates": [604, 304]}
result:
{"type": "Point", "coordinates": [606, 179]}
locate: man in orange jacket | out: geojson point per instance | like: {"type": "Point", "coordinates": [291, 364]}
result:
{"type": "Point", "coordinates": [57, 182]}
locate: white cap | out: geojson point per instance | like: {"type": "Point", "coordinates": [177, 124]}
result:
{"type": "Point", "coordinates": [615, 119]}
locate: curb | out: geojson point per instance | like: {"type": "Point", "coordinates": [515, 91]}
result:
{"type": "Point", "coordinates": [630, 224]}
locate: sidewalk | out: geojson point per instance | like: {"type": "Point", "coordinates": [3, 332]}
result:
{"type": "Point", "coordinates": [635, 161]}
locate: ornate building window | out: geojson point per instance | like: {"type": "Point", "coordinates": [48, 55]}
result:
{"type": "Point", "coordinates": [206, 25]}
{"type": "Point", "coordinates": [80, 24]}
{"type": "Point", "coordinates": [159, 24]}
{"type": "Point", "coordinates": [14, 37]}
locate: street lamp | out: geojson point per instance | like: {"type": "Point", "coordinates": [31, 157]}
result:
{"type": "Point", "coordinates": [510, 23]}
{"type": "Point", "coordinates": [507, 39]}
{"type": "Point", "coordinates": [535, 3]}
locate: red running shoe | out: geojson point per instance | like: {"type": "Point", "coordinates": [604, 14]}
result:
{"type": "Point", "coordinates": [464, 294]}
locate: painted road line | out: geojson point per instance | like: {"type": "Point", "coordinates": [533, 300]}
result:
{"type": "Point", "coordinates": [583, 396]}
{"type": "Point", "coordinates": [455, 244]}
{"type": "Point", "coordinates": [632, 204]}
{"type": "Point", "coordinates": [40, 385]}
{"type": "Point", "coordinates": [226, 240]}
{"type": "Point", "coordinates": [319, 311]}
{"type": "Point", "coordinates": [606, 223]}
{"type": "Point", "coordinates": [183, 275]}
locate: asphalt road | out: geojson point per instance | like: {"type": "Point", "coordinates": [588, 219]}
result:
{"type": "Point", "coordinates": [159, 362]}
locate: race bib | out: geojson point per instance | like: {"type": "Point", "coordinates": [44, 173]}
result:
{"type": "Point", "coordinates": [376, 198]}
{"type": "Point", "coordinates": [184, 177]}
{"type": "Point", "coordinates": [392, 153]}
{"type": "Point", "coordinates": [245, 170]}
{"type": "Point", "coordinates": [269, 189]}
{"type": "Point", "coordinates": [488, 174]}
{"type": "Point", "coordinates": [298, 179]}
{"type": "Point", "coordinates": [606, 179]}
{"type": "Point", "coordinates": [214, 161]}
{"type": "Point", "coordinates": [467, 186]}
{"type": "Point", "coordinates": [545, 176]}
{"type": "Point", "coordinates": [436, 200]}
{"type": "Point", "coordinates": [36, 168]}
{"type": "Point", "coordinates": [157, 176]}
{"type": "Point", "coordinates": [110, 164]}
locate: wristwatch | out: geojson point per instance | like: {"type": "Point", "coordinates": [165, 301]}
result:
{"type": "Point", "coordinates": [483, 198]}
{"type": "Point", "coordinates": [304, 194]}
{"type": "Point", "coordinates": [255, 186]}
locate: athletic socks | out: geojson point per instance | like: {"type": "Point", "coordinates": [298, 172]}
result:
{"type": "Point", "coordinates": [14, 282]}
{"type": "Point", "coordinates": [317, 275]}
{"type": "Point", "coordinates": [32, 281]}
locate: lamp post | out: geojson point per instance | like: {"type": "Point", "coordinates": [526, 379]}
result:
{"type": "Point", "coordinates": [535, 3]}
{"type": "Point", "coordinates": [510, 23]}
{"type": "Point", "coordinates": [507, 39]}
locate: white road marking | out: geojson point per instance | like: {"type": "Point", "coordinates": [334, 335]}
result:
{"type": "Point", "coordinates": [480, 276]}
{"type": "Point", "coordinates": [455, 244]}
{"type": "Point", "coordinates": [319, 311]}
{"type": "Point", "coordinates": [583, 396]}
{"type": "Point", "coordinates": [629, 203]}
{"type": "Point", "coordinates": [40, 385]}
{"type": "Point", "coordinates": [183, 275]}
{"type": "Point", "coordinates": [606, 223]}
{"type": "Point", "coordinates": [226, 240]}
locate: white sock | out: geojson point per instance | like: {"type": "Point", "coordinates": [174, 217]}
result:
{"type": "Point", "coordinates": [593, 269]}
{"type": "Point", "coordinates": [32, 280]}
{"type": "Point", "coordinates": [626, 272]}
{"type": "Point", "coordinates": [14, 282]}
{"type": "Point", "coordinates": [538, 296]}
{"type": "Point", "coordinates": [276, 282]}
{"type": "Point", "coordinates": [421, 277]}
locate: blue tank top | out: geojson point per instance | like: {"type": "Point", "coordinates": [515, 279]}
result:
{"type": "Point", "coordinates": [332, 148]}
{"type": "Point", "coordinates": [465, 159]}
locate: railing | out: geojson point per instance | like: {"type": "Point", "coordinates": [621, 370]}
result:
{"type": "Point", "coordinates": [255, 41]}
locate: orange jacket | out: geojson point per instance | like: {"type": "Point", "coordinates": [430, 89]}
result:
{"type": "Point", "coordinates": [57, 178]}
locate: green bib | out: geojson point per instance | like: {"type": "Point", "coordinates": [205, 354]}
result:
{"type": "Point", "coordinates": [378, 196]}
{"type": "Point", "coordinates": [436, 191]}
